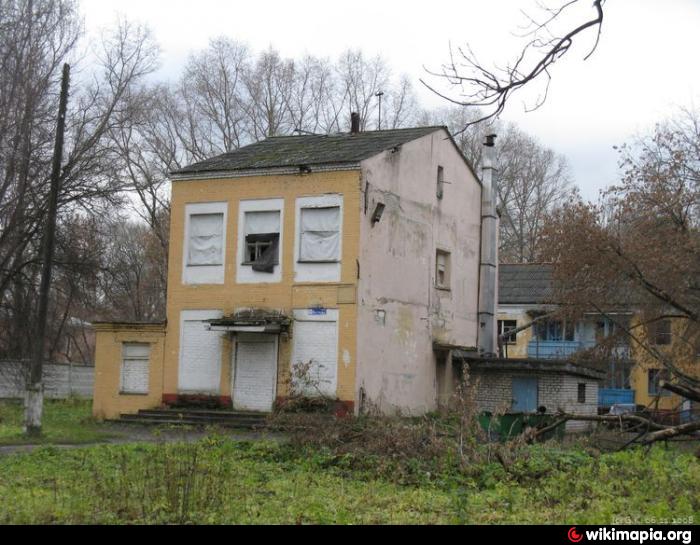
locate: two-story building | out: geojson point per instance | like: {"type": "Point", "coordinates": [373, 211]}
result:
{"type": "Point", "coordinates": [351, 261]}
{"type": "Point", "coordinates": [525, 296]}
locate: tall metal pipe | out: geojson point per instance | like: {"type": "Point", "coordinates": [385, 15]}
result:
{"type": "Point", "coordinates": [488, 271]}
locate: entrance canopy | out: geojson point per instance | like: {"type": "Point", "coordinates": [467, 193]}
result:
{"type": "Point", "coordinates": [252, 321]}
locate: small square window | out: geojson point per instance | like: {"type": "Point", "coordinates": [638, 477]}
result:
{"type": "Point", "coordinates": [581, 392]}
{"type": "Point", "coordinates": [442, 269]}
{"type": "Point", "coordinates": [507, 325]}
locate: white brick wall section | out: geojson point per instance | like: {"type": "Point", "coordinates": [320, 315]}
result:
{"type": "Point", "coordinates": [555, 392]}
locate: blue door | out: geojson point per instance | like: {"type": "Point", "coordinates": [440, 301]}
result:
{"type": "Point", "coordinates": [524, 395]}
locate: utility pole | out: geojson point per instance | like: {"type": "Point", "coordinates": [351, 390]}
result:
{"type": "Point", "coordinates": [35, 388]}
{"type": "Point", "coordinates": [380, 94]}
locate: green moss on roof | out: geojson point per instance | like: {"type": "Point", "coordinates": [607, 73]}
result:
{"type": "Point", "coordinates": [294, 151]}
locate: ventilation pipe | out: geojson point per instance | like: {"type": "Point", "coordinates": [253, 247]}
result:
{"type": "Point", "coordinates": [488, 270]}
{"type": "Point", "coordinates": [354, 123]}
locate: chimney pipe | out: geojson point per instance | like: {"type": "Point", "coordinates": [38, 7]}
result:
{"type": "Point", "coordinates": [488, 271]}
{"type": "Point", "coordinates": [354, 123]}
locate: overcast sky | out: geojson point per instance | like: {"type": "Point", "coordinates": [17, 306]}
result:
{"type": "Point", "coordinates": [645, 68]}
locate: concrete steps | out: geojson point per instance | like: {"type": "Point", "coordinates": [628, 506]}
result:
{"type": "Point", "coordinates": [196, 417]}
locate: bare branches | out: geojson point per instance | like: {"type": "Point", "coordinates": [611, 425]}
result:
{"type": "Point", "coordinates": [490, 88]}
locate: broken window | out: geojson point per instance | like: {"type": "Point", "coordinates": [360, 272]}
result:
{"type": "Point", "coordinates": [134, 372]}
{"type": "Point", "coordinates": [442, 269]}
{"type": "Point", "coordinates": [508, 325]}
{"type": "Point", "coordinates": [655, 376]}
{"type": "Point", "coordinates": [660, 332]}
{"type": "Point", "coordinates": [262, 235]}
{"type": "Point", "coordinates": [440, 181]}
{"type": "Point", "coordinates": [320, 235]}
{"type": "Point", "coordinates": [205, 244]}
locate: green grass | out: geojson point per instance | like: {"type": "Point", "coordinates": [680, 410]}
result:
{"type": "Point", "coordinates": [218, 480]}
{"type": "Point", "coordinates": [64, 422]}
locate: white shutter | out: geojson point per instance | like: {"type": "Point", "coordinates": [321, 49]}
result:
{"type": "Point", "coordinates": [206, 239]}
{"type": "Point", "coordinates": [255, 373]}
{"type": "Point", "coordinates": [135, 368]}
{"type": "Point", "coordinates": [317, 342]}
{"type": "Point", "coordinates": [260, 223]}
{"type": "Point", "coordinates": [320, 234]}
{"type": "Point", "coordinates": [200, 354]}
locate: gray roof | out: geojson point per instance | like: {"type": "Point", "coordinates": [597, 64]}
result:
{"type": "Point", "coordinates": [295, 151]}
{"type": "Point", "coordinates": [525, 283]}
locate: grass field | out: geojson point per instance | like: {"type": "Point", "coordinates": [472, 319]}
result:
{"type": "Point", "coordinates": [218, 480]}
{"type": "Point", "coordinates": [64, 422]}
{"type": "Point", "coordinates": [363, 471]}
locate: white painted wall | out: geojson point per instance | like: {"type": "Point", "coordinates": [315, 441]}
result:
{"type": "Point", "coordinates": [400, 311]}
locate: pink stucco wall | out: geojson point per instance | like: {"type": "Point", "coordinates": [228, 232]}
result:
{"type": "Point", "coordinates": [401, 312]}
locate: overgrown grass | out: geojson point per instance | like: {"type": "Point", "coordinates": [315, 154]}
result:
{"type": "Point", "coordinates": [218, 480]}
{"type": "Point", "coordinates": [64, 422]}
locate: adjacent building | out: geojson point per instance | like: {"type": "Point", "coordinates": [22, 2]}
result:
{"type": "Point", "coordinates": [631, 375]}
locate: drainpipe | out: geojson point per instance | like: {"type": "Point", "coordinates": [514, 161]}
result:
{"type": "Point", "coordinates": [488, 270]}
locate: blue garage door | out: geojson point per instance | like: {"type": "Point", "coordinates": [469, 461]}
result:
{"type": "Point", "coordinates": [524, 394]}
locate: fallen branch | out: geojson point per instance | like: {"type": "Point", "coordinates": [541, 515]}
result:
{"type": "Point", "coordinates": [654, 431]}
{"type": "Point", "coordinates": [681, 390]}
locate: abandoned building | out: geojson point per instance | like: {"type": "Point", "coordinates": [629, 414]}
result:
{"type": "Point", "coordinates": [358, 258]}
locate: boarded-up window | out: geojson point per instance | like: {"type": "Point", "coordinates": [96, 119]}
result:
{"type": "Point", "coordinates": [206, 235]}
{"type": "Point", "coordinates": [134, 375]}
{"type": "Point", "coordinates": [262, 234]}
{"type": "Point", "coordinates": [320, 235]}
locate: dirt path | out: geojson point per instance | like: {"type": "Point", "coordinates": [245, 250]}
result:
{"type": "Point", "coordinates": [129, 433]}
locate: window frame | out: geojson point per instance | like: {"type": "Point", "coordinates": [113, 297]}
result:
{"type": "Point", "coordinates": [447, 276]}
{"type": "Point", "coordinates": [440, 189]}
{"type": "Point", "coordinates": [193, 274]}
{"type": "Point", "coordinates": [245, 273]}
{"type": "Point", "coordinates": [301, 233]}
{"type": "Point", "coordinates": [581, 392]}
{"type": "Point", "coordinates": [189, 239]}
{"type": "Point", "coordinates": [512, 339]}
{"type": "Point", "coordinates": [658, 331]}
{"type": "Point", "coordinates": [132, 359]}
{"type": "Point", "coordinates": [657, 374]}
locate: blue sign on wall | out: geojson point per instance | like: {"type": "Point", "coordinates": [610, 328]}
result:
{"type": "Point", "coordinates": [318, 311]}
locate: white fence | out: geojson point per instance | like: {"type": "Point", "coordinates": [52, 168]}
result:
{"type": "Point", "coordinates": [61, 380]}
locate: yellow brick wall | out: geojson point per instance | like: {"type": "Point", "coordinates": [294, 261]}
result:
{"type": "Point", "coordinates": [682, 352]}
{"type": "Point", "coordinates": [108, 402]}
{"type": "Point", "coordinates": [285, 295]}
{"type": "Point", "coordinates": [519, 349]}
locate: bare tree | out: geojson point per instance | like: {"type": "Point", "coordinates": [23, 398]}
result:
{"type": "Point", "coordinates": [640, 246]}
{"type": "Point", "coordinates": [489, 87]}
{"type": "Point", "coordinates": [37, 37]}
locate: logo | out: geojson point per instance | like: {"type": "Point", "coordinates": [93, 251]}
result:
{"type": "Point", "coordinates": [574, 536]}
